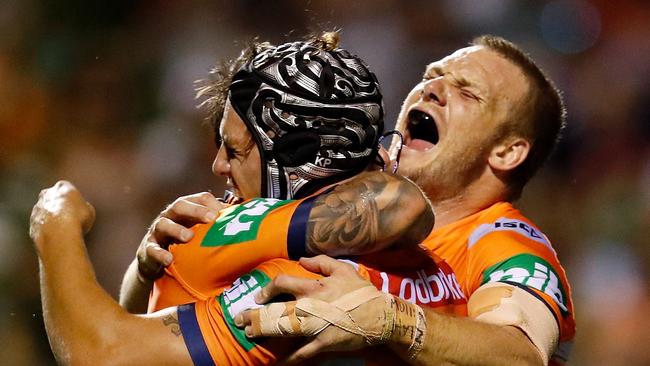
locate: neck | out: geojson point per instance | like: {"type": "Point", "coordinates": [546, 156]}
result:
{"type": "Point", "coordinates": [476, 197]}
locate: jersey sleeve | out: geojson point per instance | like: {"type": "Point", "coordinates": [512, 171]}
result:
{"type": "Point", "coordinates": [523, 257]}
{"type": "Point", "coordinates": [208, 326]}
{"type": "Point", "coordinates": [243, 237]}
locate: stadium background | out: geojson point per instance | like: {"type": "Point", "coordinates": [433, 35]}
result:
{"type": "Point", "coordinates": [100, 93]}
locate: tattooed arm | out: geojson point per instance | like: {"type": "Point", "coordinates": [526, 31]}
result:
{"type": "Point", "coordinates": [84, 324]}
{"type": "Point", "coordinates": [370, 212]}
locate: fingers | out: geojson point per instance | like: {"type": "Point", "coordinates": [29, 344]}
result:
{"type": "Point", "coordinates": [244, 320]}
{"type": "Point", "coordinates": [325, 265]}
{"type": "Point", "coordinates": [206, 199]}
{"type": "Point", "coordinates": [158, 254]}
{"type": "Point", "coordinates": [151, 260]}
{"type": "Point", "coordinates": [193, 209]}
{"type": "Point", "coordinates": [173, 223]}
{"type": "Point", "coordinates": [63, 199]}
{"type": "Point", "coordinates": [285, 284]}
{"type": "Point", "coordinates": [166, 231]}
{"type": "Point", "coordinates": [189, 213]}
{"type": "Point", "coordinates": [273, 320]}
{"type": "Point", "coordinates": [306, 352]}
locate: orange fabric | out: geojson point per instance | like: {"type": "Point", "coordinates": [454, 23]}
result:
{"type": "Point", "coordinates": [500, 244]}
{"type": "Point", "coordinates": [202, 271]}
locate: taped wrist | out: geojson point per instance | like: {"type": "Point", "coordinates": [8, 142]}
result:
{"type": "Point", "coordinates": [409, 326]}
{"type": "Point", "coordinates": [367, 312]}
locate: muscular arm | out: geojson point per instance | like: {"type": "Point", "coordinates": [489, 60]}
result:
{"type": "Point", "coordinates": [463, 341]}
{"type": "Point", "coordinates": [84, 324]}
{"type": "Point", "coordinates": [369, 213]}
{"type": "Point", "coordinates": [419, 335]}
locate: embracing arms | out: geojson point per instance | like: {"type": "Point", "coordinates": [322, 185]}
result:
{"type": "Point", "coordinates": [438, 339]}
{"type": "Point", "coordinates": [367, 213]}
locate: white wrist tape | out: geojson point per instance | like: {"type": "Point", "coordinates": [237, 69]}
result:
{"type": "Point", "coordinates": [396, 320]}
{"type": "Point", "coordinates": [308, 317]}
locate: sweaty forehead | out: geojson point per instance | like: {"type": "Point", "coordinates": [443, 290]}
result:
{"type": "Point", "coordinates": [459, 57]}
{"type": "Point", "coordinates": [485, 68]}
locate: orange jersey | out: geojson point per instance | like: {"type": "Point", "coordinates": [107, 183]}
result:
{"type": "Point", "coordinates": [499, 244]}
{"type": "Point", "coordinates": [217, 273]}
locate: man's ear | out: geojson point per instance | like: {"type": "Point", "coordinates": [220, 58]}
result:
{"type": "Point", "coordinates": [509, 154]}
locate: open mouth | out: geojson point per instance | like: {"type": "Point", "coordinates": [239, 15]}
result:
{"type": "Point", "coordinates": [422, 130]}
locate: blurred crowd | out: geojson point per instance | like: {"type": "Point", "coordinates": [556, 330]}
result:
{"type": "Point", "coordinates": [101, 93]}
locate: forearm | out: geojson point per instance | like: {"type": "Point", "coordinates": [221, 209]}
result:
{"type": "Point", "coordinates": [84, 324]}
{"type": "Point", "coordinates": [372, 212]}
{"type": "Point", "coordinates": [135, 290]}
{"type": "Point", "coordinates": [463, 341]}
{"type": "Point", "coordinates": [74, 305]}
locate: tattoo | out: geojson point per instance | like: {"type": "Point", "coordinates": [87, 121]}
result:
{"type": "Point", "coordinates": [368, 213]}
{"type": "Point", "coordinates": [171, 320]}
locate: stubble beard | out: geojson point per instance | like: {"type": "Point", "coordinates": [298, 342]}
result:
{"type": "Point", "coordinates": [446, 176]}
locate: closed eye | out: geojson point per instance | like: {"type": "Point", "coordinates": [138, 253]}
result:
{"type": "Point", "coordinates": [469, 94]}
{"type": "Point", "coordinates": [230, 152]}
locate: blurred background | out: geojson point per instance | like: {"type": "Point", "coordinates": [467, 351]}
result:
{"type": "Point", "coordinates": [101, 93]}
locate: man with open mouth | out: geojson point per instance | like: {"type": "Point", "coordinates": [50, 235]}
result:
{"type": "Point", "coordinates": [476, 128]}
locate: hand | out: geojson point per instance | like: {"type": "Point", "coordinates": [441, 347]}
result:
{"type": "Point", "coordinates": [60, 208]}
{"type": "Point", "coordinates": [173, 226]}
{"type": "Point", "coordinates": [341, 279]}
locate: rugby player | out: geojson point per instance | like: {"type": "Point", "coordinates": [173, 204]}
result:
{"type": "Point", "coordinates": [477, 127]}
{"type": "Point", "coordinates": [319, 135]}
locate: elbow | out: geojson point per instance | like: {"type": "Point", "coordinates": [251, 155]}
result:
{"type": "Point", "coordinates": [423, 224]}
{"type": "Point", "coordinates": [420, 210]}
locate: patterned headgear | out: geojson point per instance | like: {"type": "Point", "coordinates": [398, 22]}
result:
{"type": "Point", "coordinates": [315, 115]}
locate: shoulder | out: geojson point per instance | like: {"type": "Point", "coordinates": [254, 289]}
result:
{"type": "Point", "coordinates": [504, 225]}
{"type": "Point", "coordinates": [510, 248]}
